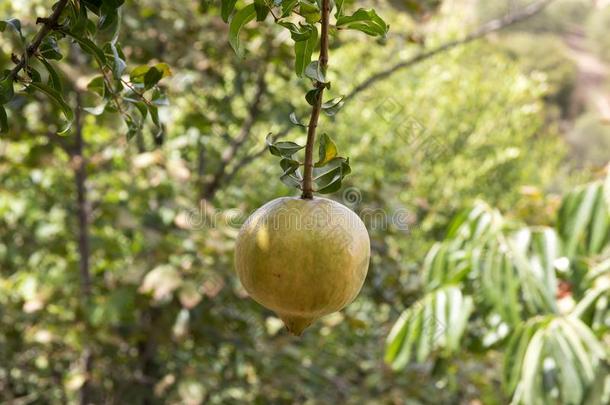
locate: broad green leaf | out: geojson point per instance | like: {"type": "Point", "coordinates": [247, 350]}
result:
{"type": "Point", "coordinates": [149, 76]}
{"type": "Point", "coordinates": [50, 50]}
{"type": "Point", "coordinates": [288, 6]}
{"type": "Point", "coordinates": [88, 47]}
{"type": "Point", "coordinates": [239, 20]}
{"type": "Point", "coordinates": [310, 11]}
{"type": "Point", "coordinates": [327, 150]}
{"type": "Point", "coordinates": [314, 72]}
{"type": "Point", "coordinates": [97, 85]}
{"type": "Point", "coordinates": [226, 8]}
{"type": "Point", "coordinates": [312, 96]}
{"type": "Point", "coordinates": [303, 51]}
{"type": "Point", "coordinates": [54, 80]}
{"type": "Point", "coordinates": [366, 21]}
{"type": "Point", "coordinates": [261, 10]}
{"type": "Point", "coordinates": [285, 149]}
{"type": "Point", "coordinates": [56, 97]}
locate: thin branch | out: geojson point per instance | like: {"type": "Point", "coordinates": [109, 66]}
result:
{"type": "Point", "coordinates": [317, 106]}
{"type": "Point", "coordinates": [487, 28]}
{"type": "Point", "coordinates": [229, 153]}
{"type": "Point", "coordinates": [49, 24]}
{"type": "Point", "coordinates": [247, 159]}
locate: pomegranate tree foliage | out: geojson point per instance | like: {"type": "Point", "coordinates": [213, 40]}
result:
{"type": "Point", "coordinates": [166, 320]}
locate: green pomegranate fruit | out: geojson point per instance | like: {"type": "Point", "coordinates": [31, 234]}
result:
{"type": "Point", "coordinates": [302, 258]}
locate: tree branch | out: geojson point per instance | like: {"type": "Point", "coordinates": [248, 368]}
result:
{"type": "Point", "coordinates": [48, 24]}
{"type": "Point", "coordinates": [229, 153]}
{"type": "Point", "coordinates": [82, 208]}
{"type": "Point", "coordinates": [315, 111]}
{"type": "Point", "coordinates": [487, 28]}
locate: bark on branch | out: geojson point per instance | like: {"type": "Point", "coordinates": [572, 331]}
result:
{"type": "Point", "coordinates": [48, 25]}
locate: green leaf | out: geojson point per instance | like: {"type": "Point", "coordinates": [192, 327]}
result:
{"type": "Point", "coordinates": [331, 107]}
{"type": "Point", "coordinates": [56, 97]}
{"type": "Point", "coordinates": [312, 96]}
{"type": "Point", "coordinates": [54, 80]}
{"type": "Point", "coordinates": [7, 90]}
{"type": "Point", "coordinates": [97, 85]}
{"type": "Point", "coordinates": [295, 120]}
{"type": "Point", "coordinates": [50, 50]}
{"type": "Point", "coordinates": [310, 11]}
{"type": "Point", "coordinates": [3, 120]}
{"type": "Point", "coordinates": [299, 33]}
{"type": "Point", "coordinates": [314, 72]}
{"type": "Point", "coordinates": [303, 51]}
{"type": "Point", "coordinates": [154, 115]}
{"type": "Point", "coordinates": [239, 20]}
{"type": "Point", "coordinates": [88, 47]}
{"type": "Point", "coordinates": [366, 21]}
{"type": "Point", "coordinates": [149, 75]}
{"type": "Point", "coordinates": [226, 8]}
{"type": "Point", "coordinates": [288, 6]}
{"type": "Point", "coordinates": [327, 150]}
{"type": "Point", "coordinates": [261, 10]}
{"type": "Point", "coordinates": [328, 177]}
{"type": "Point", "coordinates": [339, 5]}
{"type": "Point", "coordinates": [283, 149]}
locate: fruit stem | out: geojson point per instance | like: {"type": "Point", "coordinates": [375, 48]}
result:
{"type": "Point", "coordinates": [317, 106]}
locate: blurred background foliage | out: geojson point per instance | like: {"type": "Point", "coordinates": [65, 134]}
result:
{"type": "Point", "coordinates": [517, 119]}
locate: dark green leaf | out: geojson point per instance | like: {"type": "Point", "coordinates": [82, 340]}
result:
{"type": "Point", "coordinates": [150, 76]}
{"type": "Point", "coordinates": [288, 6]}
{"type": "Point", "coordinates": [312, 96]}
{"type": "Point", "coordinates": [261, 10]}
{"type": "Point", "coordinates": [328, 177]}
{"type": "Point", "coordinates": [310, 11]}
{"type": "Point", "coordinates": [97, 85]}
{"type": "Point", "coordinates": [50, 50]}
{"type": "Point", "coordinates": [54, 80]}
{"type": "Point", "coordinates": [366, 21]}
{"type": "Point", "coordinates": [34, 74]}
{"type": "Point", "coordinates": [89, 47]}
{"type": "Point", "coordinates": [241, 18]}
{"type": "Point", "coordinates": [283, 149]}
{"type": "Point", "coordinates": [226, 9]}
{"type": "Point", "coordinates": [57, 99]}
{"type": "Point", "coordinates": [303, 51]}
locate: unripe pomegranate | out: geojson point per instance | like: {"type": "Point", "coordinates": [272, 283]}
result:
{"type": "Point", "coordinates": [302, 258]}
